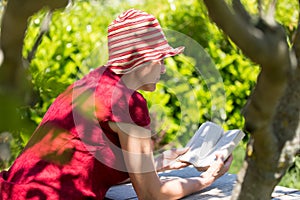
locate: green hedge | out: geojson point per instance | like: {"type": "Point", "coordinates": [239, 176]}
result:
{"type": "Point", "coordinates": [211, 81]}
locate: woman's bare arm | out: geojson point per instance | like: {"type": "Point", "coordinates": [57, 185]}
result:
{"type": "Point", "coordinates": [137, 150]}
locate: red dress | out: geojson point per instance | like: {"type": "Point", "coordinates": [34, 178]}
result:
{"type": "Point", "coordinates": [73, 154]}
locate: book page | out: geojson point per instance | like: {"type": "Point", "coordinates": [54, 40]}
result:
{"type": "Point", "coordinates": [208, 140]}
{"type": "Point", "coordinates": [229, 141]}
{"type": "Point", "coordinates": [202, 142]}
{"type": "Point", "coordinates": [224, 146]}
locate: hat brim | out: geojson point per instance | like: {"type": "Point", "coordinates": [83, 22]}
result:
{"type": "Point", "coordinates": [162, 55]}
{"type": "Point", "coordinates": [155, 55]}
{"type": "Point", "coordinates": [173, 52]}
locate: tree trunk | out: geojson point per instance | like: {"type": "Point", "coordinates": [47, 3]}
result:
{"type": "Point", "coordinates": [14, 81]}
{"type": "Point", "coordinates": [272, 112]}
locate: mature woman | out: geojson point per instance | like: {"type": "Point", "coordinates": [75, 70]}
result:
{"type": "Point", "coordinates": [97, 132]}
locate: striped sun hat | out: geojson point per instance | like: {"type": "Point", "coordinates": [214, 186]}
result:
{"type": "Point", "coordinates": [135, 38]}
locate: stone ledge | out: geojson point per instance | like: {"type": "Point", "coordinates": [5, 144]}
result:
{"type": "Point", "coordinates": [220, 189]}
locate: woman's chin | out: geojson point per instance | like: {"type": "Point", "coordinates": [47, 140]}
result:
{"type": "Point", "coordinates": [149, 87]}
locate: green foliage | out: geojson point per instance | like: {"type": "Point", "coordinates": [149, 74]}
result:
{"type": "Point", "coordinates": [238, 73]}
{"type": "Point", "coordinates": [64, 54]}
{"type": "Point", "coordinates": [238, 158]}
{"type": "Point", "coordinates": [286, 13]}
{"type": "Point", "coordinates": [190, 92]}
{"type": "Point", "coordinates": [74, 44]}
{"type": "Point", "coordinates": [292, 177]}
{"type": "Point", "coordinates": [176, 98]}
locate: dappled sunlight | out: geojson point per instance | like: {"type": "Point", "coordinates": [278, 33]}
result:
{"type": "Point", "coordinates": [60, 161]}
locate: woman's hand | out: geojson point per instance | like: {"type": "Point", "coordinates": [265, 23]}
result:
{"type": "Point", "coordinates": [168, 160]}
{"type": "Point", "coordinates": [217, 169]}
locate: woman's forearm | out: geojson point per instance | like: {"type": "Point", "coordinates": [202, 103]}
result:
{"type": "Point", "coordinates": [176, 188]}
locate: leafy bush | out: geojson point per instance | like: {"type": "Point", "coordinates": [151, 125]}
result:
{"type": "Point", "coordinates": [74, 44]}
{"type": "Point", "coordinates": [209, 82]}
{"type": "Point", "coordinates": [76, 41]}
{"type": "Point", "coordinates": [235, 73]}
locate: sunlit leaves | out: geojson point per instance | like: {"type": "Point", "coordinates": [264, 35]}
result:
{"type": "Point", "coordinates": [76, 43]}
{"type": "Point", "coordinates": [64, 54]}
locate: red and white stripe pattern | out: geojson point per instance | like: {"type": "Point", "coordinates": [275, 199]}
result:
{"type": "Point", "coordinates": [135, 38]}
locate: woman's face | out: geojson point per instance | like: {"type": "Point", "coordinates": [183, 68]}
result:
{"type": "Point", "coordinates": [149, 75]}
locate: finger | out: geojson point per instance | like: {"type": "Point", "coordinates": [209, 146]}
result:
{"type": "Point", "coordinates": [217, 165]}
{"type": "Point", "coordinates": [229, 159]}
{"type": "Point", "coordinates": [181, 151]}
{"type": "Point", "coordinates": [175, 152]}
{"type": "Point", "coordinates": [226, 165]}
{"type": "Point", "coordinates": [179, 165]}
{"type": "Point", "coordinates": [219, 157]}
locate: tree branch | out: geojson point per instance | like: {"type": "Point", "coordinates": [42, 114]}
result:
{"type": "Point", "coordinates": [240, 9]}
{"type": "Point", "coordinates": [43, 29]}
{"type": "Point", "coordinates": [250, 39]}
{"type": "Point", "coordinates": [270, 17]}
{"type": "Point", "coordinates": [296, 39]}
{"type": "Point", "coordinates": [260, 8]}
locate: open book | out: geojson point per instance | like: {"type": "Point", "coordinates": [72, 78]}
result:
{"type": "Point", "coordinates": [209, 139]}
